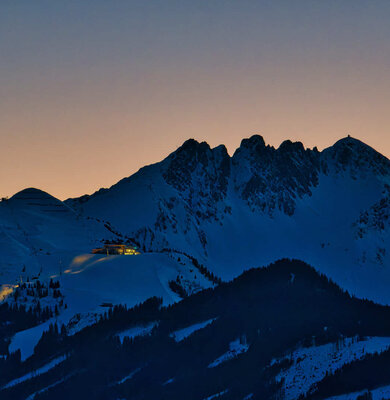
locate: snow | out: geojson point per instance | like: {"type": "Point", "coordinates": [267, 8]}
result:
{"type": "Point", "coordinates": [235, 349]}
{"type": "Point", "coordinates": [36, 372]}
{"type": "Point", "coordinates": [182, 334]}
{"type": "Point", "coordinates": [92, 280]}
{"type": "Point", "coordinates": [32, 396]}
{"type": "Point", "coordinates": [320, 232]}
{"type": "Point", "coordinates": [137, 331]}
{"type": "Point", "coordinates": [118, 280]}
{"type": "Point", "coordinates": [127, 377]}
{"type": "Point", "coordinates": [310, 364]}
{"type": "Point", "coordinates": [26, 340]}
{"type": "Point", "coordinates": [40, 232]}
{"type": "Point", "coordinates": [216, 395]}
{"type": "Point", "coordinates": [380, 393]}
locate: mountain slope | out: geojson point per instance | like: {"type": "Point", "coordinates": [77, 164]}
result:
{"type": "Point", "coordinates": [259, 205]}
{"type": "Point", "coordinates": [41, 238]}
{"type": "Point", "coordinates": [234, 340]}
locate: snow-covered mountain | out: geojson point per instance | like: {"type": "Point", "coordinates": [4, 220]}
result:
{"type": "Point", "coordinates": [199, 206]}
{"type": "Point", "coordinates": [37, 229]}
{"type": "Point", "coordinates": [199, 217]}
{"type": "Point", "coordinates": [328, 208]}
{"type": "Point", "coordinates": [42, 238]}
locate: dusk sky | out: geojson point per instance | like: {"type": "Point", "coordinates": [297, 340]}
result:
{"type": "Point", "coordinates": [90, 91]}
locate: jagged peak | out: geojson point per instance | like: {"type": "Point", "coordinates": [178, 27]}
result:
{"type": "Point", "coordinates": [220, 150]}
{"type": "Point", "coordinates": [192, 145]}
{"type": "Point", "coordinates": [195, 152]}
{"type": "Point", "coordinates": [288, 146]}
{"type": "Point", "coordinates": [254, 142]}
{"type": "Point", "coordinates": [254, 145]}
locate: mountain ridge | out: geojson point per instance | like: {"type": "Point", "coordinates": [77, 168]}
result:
{"type": "Point", "coordinates": [255, 140]}
{"type": "Point", "coordinates": [328, 208]}
{"type": "Point", "coordinates": [204, 202]}
{"type": "Point", "coordinates": [194, 151]}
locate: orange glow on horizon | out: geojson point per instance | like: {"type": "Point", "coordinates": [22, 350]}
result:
{"type": "Point", "coordinates": [91, 92]}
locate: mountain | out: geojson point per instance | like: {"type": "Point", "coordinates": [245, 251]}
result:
{"type": "Point", "coordinates": [190, 308]}
{"type": "Point", "coordinates": [36, 227]}
{"type": "Point", "coordinates": [329, 208]}
{"type": "Point", "coordinates": [272, 333]}
{"type": "Point", "coordinates": [43, 239]}
{"type": "Point", "coordinates": [198, 217]}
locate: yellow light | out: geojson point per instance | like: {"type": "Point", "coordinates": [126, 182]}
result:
{"type": "Point", "coordinates": [6, 290]}
{"type": "Point", "coordinates": [81, 259]}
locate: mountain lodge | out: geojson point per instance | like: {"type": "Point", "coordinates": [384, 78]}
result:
{"type": "Point", "coordinates": [116, 249]}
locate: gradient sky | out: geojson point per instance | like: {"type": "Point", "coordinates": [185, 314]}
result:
{"type": "Point", "coordinates": [92, 90]}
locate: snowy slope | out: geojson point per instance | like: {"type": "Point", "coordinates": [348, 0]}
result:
{"type": "Point", "coordinates": [124, 280]}
{"type": "Point", "coordinates": [42, 238]}
{"type": "Point", "coordinates": [311, 364]}
{"type": "Point", "coordinates": [36, 372]}
{"type": "Point", "coordinates": [182, 334]}
{"type": "Point", "coordinates": [377, 394]}
{"type": "Point", "coordinates": [137, 331]}
{"type": "Point", "coordinates": [40, 234]}
{"type": "Point", "coordinates": [91, 282]}
{"type": "Point", "coordinates": [235, 349]}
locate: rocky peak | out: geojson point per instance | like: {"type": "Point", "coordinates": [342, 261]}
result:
{"type": "Point", "coordinates": [200, 174]}
{"type": "Point", "coordinates": [289, 147]}
{"type": "Point", "coordinates": [357, 157]}
{"type": "Point", "coordinates": [255, 142]}
{"type": "Point", "coordinates": [251, 148]}
{"type": "Point", "coordinates": [269, 178]}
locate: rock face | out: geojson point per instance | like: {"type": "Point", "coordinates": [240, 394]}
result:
{"type": "Point", "coordinates": [377, 217]}
{"type": "Point", "coordinates": [201, 175]}
{"type": "Point", "coordinates": [269, 178]}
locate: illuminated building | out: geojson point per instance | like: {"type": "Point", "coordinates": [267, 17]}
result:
{"type": "Point", "coordinates": [116, 249]}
